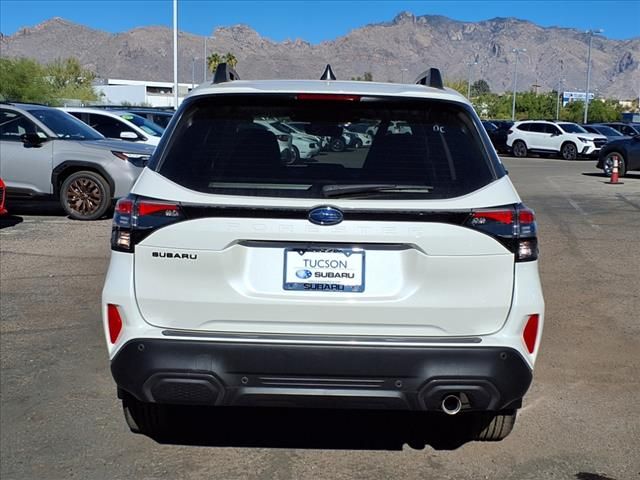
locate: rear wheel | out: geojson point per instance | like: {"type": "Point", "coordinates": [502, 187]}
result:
{"type": "Point", "coordinates": [337, 145]}
{"type": "Point", "coordinates": [519, 149]}
{"type": "Point", "coordinates": [607, 164]}
{"type": "Point", "coordinates": [569, 151]}
{"type": "Point", "coordinates": [85, 195]}
{"type": "Point", "coordinates": [493, 426]}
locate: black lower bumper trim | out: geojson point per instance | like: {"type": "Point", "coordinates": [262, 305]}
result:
{"type": "Point", "coordinates": [287, 375]}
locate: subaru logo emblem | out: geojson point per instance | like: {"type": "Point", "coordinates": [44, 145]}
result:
{"type": "Point", "coordinates": [325, 216]}
{"type": "Point", "coordinates": [303, 274]}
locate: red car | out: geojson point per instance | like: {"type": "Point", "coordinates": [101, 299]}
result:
{"type": "Point", "coordinates": [3, 211]}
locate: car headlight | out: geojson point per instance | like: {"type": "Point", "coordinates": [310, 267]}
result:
{"type": "Point", "coordinates": [585, 140]}
{"type": "Point", "coordinates": [137, 159]}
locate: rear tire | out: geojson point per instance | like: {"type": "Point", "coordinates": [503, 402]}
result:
{"type": "Point", "coordinates": [569, 151]}
{"type": "Point", "coordinates": [607, 164]}
{"type": "Point", "coordinates": [85, 195]}
{"type": "Point", "coordinates": [148, 419]}
{"type": "Point", "coordinates": [519, 149]}
{"type": "Point", "coordinates": [493, 426]}
{"type": "Point", "coordinates": [337, 145]}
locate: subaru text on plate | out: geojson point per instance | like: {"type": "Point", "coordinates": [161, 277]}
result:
{"type": "Point", "coordinates": [399, 277]}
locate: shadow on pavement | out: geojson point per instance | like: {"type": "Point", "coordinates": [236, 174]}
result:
{"type": "Point", "coordinates": [42, 208]}
{"type": "Point", "coordinates": [632, 176]}
{"type": "Point", "coordinates": [316, 429]}
{"type": "Point", "coordinates": [10, 221]}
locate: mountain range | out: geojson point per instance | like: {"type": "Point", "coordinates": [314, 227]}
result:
{"type": "Point", "coordinates": [392, 51]}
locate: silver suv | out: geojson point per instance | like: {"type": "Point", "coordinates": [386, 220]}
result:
{"type": "Point", "coordinates": [45, 152]}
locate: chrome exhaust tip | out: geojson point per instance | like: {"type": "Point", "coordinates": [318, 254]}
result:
{"type": "Point", "coordinates": [451, 404]}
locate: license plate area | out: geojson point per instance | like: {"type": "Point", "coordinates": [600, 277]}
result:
{"type": "Point", "coordinates": [324, 269]}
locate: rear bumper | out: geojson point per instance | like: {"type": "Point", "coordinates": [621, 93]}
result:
{"type": "Point", "coordinates": [293, 375]}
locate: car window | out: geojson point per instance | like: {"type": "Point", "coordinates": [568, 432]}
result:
{"type": "Point", "coordinates": [434, 146]}
{"type": "Point", "coordinates": [572, 128]}
{"type": "Point", "coordinates": [108, 126]}
{"type": "Point", "coordinates": [14, 124]}
{"type": "Point", "coordinates": [147, 126]}
{"type": "Point", "coordinates": [552, 129]}
{"type": "Point", "coordinates": [65, 126]}
{"type": "Point", "coordinates": [608, 131]}
{"type": "Point", "coordinates": [524, 127]}
{"type": "Point", "coordinates": [537, 127]}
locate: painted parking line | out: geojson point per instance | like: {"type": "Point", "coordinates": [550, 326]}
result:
{"type": "Point", "coordinates": [574, 204]}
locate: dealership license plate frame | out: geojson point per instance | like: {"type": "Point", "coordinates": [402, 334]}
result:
{"type": "Point", "coordinates": [349, 252]}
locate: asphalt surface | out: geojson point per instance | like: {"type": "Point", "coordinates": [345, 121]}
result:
{"type": "Point", "coordinates": [60, 419]}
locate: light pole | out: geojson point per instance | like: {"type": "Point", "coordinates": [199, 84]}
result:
{"type": "Point", "coordinates": [402, 70]}
{"type": "Point", "coordinates": [204, 55]}
{"type": "Point", "coordinates": [591, 33]}
{"type": "Point", "coordinates": [175, 53]}
{"type": "Point", "coordinates": [560, 83]}
{"type": "Point", "coordinates": [470, 65]}
{"type": "Point", "coordinates": [517, 51]}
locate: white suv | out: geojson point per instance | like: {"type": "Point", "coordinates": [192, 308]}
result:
{"type": "Point", "coordinates": [399, 277]}
{"type": "Point", "coordinates": [569, 140]}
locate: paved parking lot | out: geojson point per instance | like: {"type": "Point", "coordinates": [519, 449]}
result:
{"type": "Point", "coordinates": [60, 418]}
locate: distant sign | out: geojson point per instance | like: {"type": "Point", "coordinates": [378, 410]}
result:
{"type": "Point", "coordinates": [568, 97]}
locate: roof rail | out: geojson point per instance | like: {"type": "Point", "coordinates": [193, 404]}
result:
{"type": "Point", "coordinates": [224, 73]}
{"type": "Point", "coordinates": [327, 74]}
{"type": "Point", "coordinates": [430, 78]}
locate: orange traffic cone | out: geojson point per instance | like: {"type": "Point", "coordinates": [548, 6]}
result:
{"type": "Point", "coordinates": [615, 174]}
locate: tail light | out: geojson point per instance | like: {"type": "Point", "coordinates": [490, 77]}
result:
{"type": "Point", "coordinates": [514, 227]}
{"type": "Point", "coordinates": [283, 138]}
{"type": "Point", "coordinates": [509, 132]}
{"type": "Point", "coordinates": [136, 217]}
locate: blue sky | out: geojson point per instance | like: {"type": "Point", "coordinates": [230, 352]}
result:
{"type": "Point", "coordinates": [315, 21]}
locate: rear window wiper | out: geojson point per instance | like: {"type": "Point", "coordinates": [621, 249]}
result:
{"type": "Point", "coordinates": [350, 189]}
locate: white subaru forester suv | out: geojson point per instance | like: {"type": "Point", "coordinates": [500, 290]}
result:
{"type": "Point", "coordinates": [399, 277]}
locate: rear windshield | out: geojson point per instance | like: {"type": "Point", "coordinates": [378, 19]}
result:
{"type": "Point", "coordinates": [420, 148]}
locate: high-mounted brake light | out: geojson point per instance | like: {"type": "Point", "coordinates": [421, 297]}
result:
{"type": "Point", "coordinates": [329, 97]}
{"type": "Point", "coordinates": [114, 322]}
{"type": "Point", "coordinates": [530, 332]}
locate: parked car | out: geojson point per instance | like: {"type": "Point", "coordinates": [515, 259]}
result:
{"type": "Point", "coordinates": [45, 153]}
{"type": "Point", "coordinates": [611, 134]}
{"type": "Point", "coordinates": [118, 124]}
{"type": "Point", "coordinates": [362, 139]}
{"type": "Point", "coordinates": [498, 135]}
{"type": "Point", "coordinates": [628, 129]}
{"type": "Point", "coordinates": [628, 152]}
{"type": "Point", "coordinates": [406, 281]}
{"type": "Point", "coordinates": [3, 210]}
{"type": "Point", "coordinates": [285, 141]}
{"type": "Point", "coordinates": [159, 115]}
{"type": "Point", "coordinates": [303, 146]}
{"type": "Point", "coordinates": [569, 140]}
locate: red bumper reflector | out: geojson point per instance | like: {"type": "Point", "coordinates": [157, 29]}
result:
{"type": "Point", "coordinates": [530, 333]}
{"type": "Point", "coordinates": [115, 322]}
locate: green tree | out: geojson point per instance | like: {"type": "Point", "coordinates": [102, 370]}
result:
{"type": "Point", "coordinates": [459, 85]}
{"type": "Point", "coordinates": [480, 87]}
{"type": "Point", "coordinates": [70, 80]}
{"type": "Point", "coordinates": [367, 77]}
{"type": "Point", "coordinates": [213, 61]}
{"type": "Point", "coordinates": [231, 59]}
{"type": "Point", "coordinates": [23, 79]}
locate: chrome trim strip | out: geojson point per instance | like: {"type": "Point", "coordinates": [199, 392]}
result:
{"type": "Point", "coordinates": [369, 341]}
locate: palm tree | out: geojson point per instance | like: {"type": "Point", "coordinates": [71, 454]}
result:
{"type": "Point", "coordinates": [231, 59]}
{"type": "Point", "coordinates": [213, 61]}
